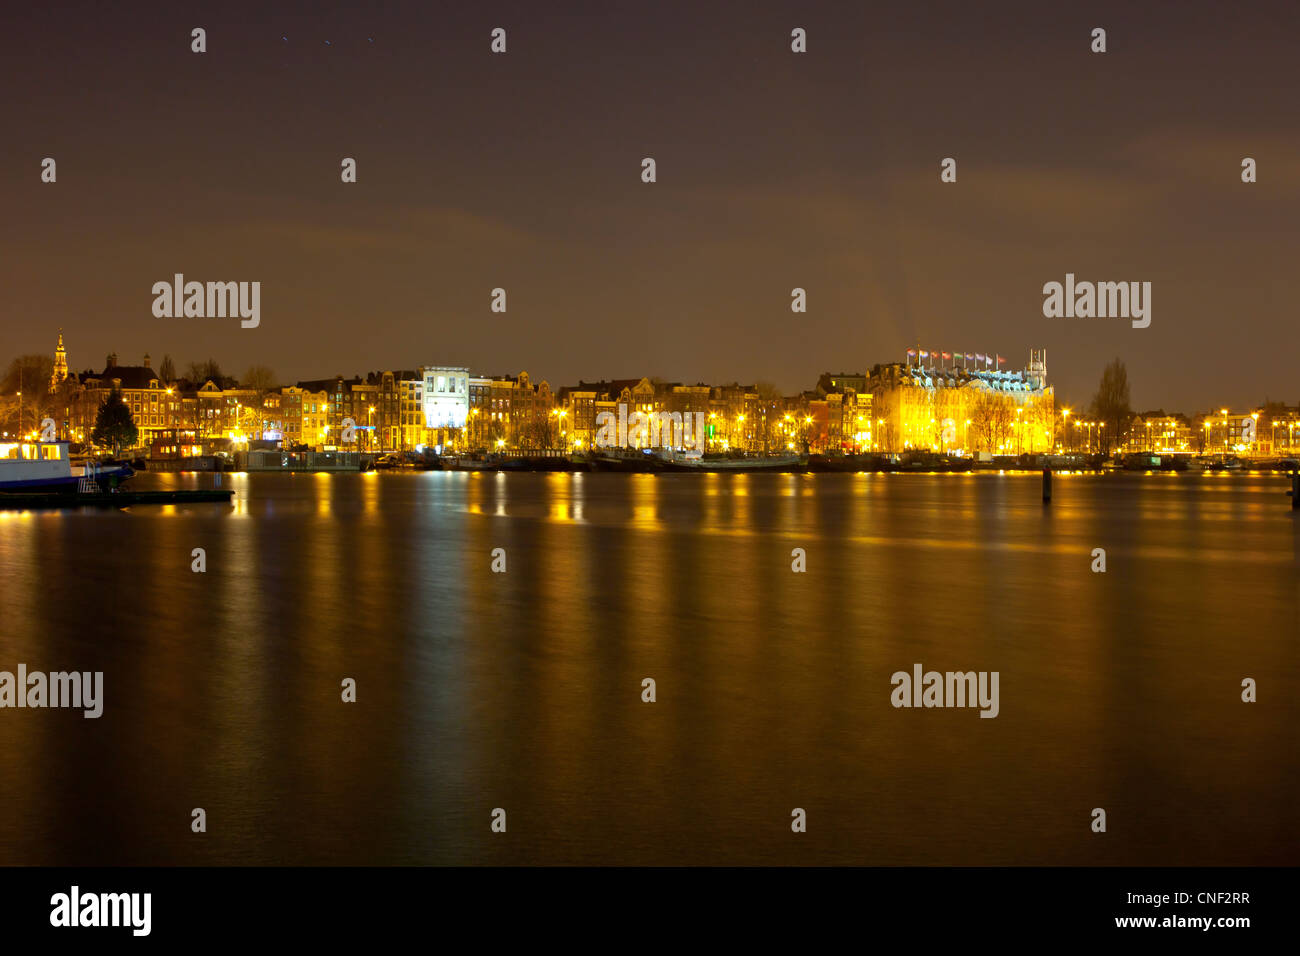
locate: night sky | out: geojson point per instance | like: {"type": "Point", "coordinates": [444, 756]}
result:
{"type": "Point", "coordinates": [775, 170]}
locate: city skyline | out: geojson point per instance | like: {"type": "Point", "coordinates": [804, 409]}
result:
{"type": "Point", "coordinates": [938, 360]}
{"type": "Point", "coordinates": [933, 400]}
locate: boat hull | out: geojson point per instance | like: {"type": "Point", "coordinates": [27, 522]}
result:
{"type": "Point", "coordinates": [847, 463]}
{"type": "Point", "coordinates": [638, 465]}
{"type": "Point", "coordinates": [65, 484]}
{"type": "Point", "coordinates": [925, 463]}
{"type": "Point", "coordinates": [737, 465]}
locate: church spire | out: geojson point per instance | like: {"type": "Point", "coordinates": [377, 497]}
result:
{"type": "Point", "coordinates": [60, 364]}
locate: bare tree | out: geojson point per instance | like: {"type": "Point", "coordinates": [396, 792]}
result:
{"type": "Point", "coordinates": [260, 378]}
{"type": "Point", "coordinates": [990, 418]}
{"type": "Point", "coordinates": [1111, 403]}
{"type": "Point", "coordinates": [31, 375]}
{"type": "Point", "coordinates": [197, 418]}
{"type": "Point", "coordinates": [199, 372]}
{"type": "Point", "coordinates": [540, 431]}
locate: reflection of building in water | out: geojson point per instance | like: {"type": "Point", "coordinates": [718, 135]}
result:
{"type": "Point", "coordinates": [980, 408]}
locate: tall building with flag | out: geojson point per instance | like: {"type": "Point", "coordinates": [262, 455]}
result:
{"type": "Point", "coordinates": [962, 402]}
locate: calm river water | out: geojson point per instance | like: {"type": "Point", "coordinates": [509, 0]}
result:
{"type": "Point", "coordinates": [523, 690]}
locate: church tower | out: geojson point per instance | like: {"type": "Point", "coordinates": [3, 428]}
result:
{"type": "Point", "coordinates": [60, 364]}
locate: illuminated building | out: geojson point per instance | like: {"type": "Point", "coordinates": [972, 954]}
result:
{"type": "Point", "coordinates": [924, 405]}
{"type": "Point", "coordinates": [1162, 434]}
{"type": "Point", "coordinates": [155, 408]}
{"type": "Point", "coordinates": [849, 426]}
{"type": "Point", "coordinates": [736, 418]}
{"type": "Point", "coordinates": [446, 402]}
{"type": "Point", "coordinates": [579, 404]}
{"type": "Point", "coordinates": [411, 430]}
{"type": "Point", "coordinates": [305, 414]}
{"type": "Point", "coordinates": [1269, 430]}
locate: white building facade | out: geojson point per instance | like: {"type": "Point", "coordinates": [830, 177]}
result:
{"type": "Point", "coordinates": [446, 401]}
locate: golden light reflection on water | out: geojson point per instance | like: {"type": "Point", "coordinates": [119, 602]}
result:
{"type": "Point", "coordinates": [370, 492]}
{"type": "Point", "coordinates": [26, 744]}
{"type": "Point", "coordinates": [321, 492]}
{"type": "Point", "coordinates": [526, 685]}
{"type": "Point", "coordinates": [565, 491]}
{"type": "Point", "coordinates": [643, 490]}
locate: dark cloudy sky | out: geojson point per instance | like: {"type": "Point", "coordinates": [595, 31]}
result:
{"type": "Point", "coordinates": [775, 171]}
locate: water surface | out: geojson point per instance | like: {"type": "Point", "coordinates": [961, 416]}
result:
{"type": "Point", "coordinates": [522, 690]}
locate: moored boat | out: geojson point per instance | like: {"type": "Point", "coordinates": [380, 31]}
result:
{"type": "Point", "coordinates": [1149, 461]}
{"type": "Point", "coordinates": [1219, 463]}
{"type": "Point", "coordinates": [847, 463]}
{"type": "Point", "coordinates": [636, 462]}
{"type": "Point", "coordinates": [927, 461]}
{"type": "Point", "coordinates": [41, 466]}
{"type": "Point", "coordinates": [676, 463]}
